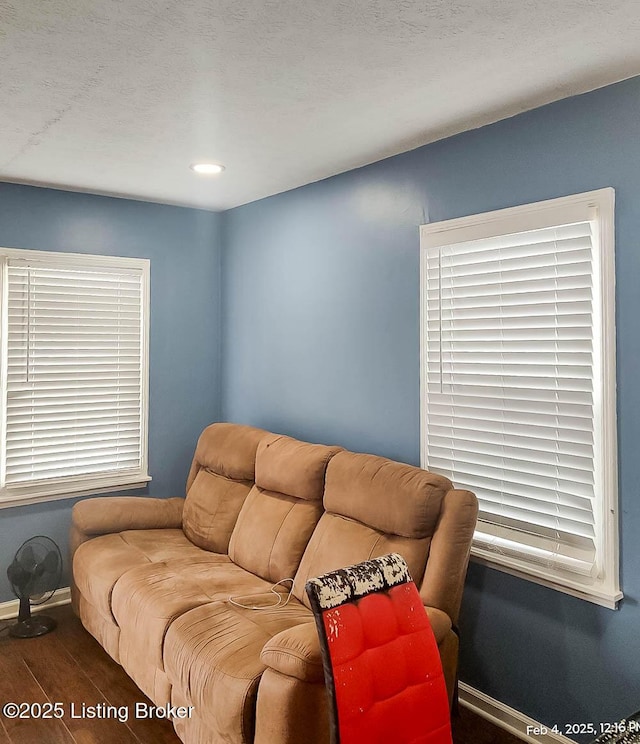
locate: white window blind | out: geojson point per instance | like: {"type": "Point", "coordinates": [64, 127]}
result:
{"type": "Point", "coordinates": [513, 400]}
{"type": "Point", "coordinates": [75, 374]}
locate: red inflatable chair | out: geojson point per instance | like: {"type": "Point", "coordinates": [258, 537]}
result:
{"type": "Point", "coordinates": [381, 662]}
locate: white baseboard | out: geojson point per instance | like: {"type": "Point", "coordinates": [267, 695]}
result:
{"type": "Point", "coordinates": [9, 610]}
{"type": "Point", "coordinates": [507, 718]}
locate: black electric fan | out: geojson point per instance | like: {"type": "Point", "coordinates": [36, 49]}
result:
{"type": "Point", "coordinates": [34, 575]}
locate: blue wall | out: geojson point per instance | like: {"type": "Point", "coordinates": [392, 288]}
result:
{"type": "Point", "coordinates": [184, 387]}
{"type": "Point", "coordinates": [320, 340]}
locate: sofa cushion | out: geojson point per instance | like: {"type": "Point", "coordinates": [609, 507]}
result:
{"type": "Point", "coordinates": [372, 506]}
{"type": "Point", "coordinates": [389, 496]}
{"type": "Point", "coordinates": [338, 542]}
{"type": "Point", "coordinates": [160, 545]}
{"type": "Point", "coordinates": [212, 658]}
{"type": "Point", "coordinates": [221, 476]}
{"type": "Point", "coordinates": [291, 467]}
{"type": "Point", "coordinates": [191, 728]}
{"type": "Point", "coordinates": [272, 532]}
{"type": "Point", "coordinates": [147, 599]}
{"type": "Point", "coordinates": [283, 508]}
{"type": "Point", "coordinates": [227, 449]}
{"type": "Point", "coordinates": [103, 629]}
{"type": "Point", "coordinates": [211, 510]}
{"type": "Point", "coordinates": [100, 562]}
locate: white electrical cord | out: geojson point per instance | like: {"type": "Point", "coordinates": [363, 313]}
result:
{"type": "Point", "coordinates": [279, 603]}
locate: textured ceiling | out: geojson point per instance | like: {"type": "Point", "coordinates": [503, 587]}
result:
{"type": "Point", "coordinates": [120, 96]}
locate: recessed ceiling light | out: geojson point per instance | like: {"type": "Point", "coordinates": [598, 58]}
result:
{"type": "Point", "coordinates": [207, 169]}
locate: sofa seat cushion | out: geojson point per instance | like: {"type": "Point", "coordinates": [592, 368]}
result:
{"type": "Point", "coordinates": [212, 659]}
{"type": "Point", "coordinates": [105, 631]}
{"type": "Point", "coordinates": [147, 599]}
{"type": "Point", "coordinates": [100, 562]}
{"type": "Point", "coordinates": [191, 728]}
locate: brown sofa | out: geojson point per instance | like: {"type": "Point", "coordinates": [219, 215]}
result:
{"type": "Point", "coordinates": [153, 577]}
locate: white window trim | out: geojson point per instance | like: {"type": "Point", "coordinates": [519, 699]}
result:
{"type": "Point", "coordinates": [34, 493]}
{"type": "Point", "coordinates": [519, 219]}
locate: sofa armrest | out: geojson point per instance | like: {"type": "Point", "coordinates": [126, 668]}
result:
{"type": "Point", "coordinates": [101, 516]}
{"type": "Point", "coordinates": [295, 652]}
{"type": "Point", "coordinates": [440, 623]}
{"type": "Point", "coordinates": [446, 569]}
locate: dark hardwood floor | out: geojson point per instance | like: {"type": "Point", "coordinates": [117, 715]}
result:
{"type": "Point", "coordinates": [69, 667]}
{"type": "Point", "coordinates": [468, 728]}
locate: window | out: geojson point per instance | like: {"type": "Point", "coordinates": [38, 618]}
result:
{"type": "Point", "coordinates": [74, 374]}
{"type": "Point", "coordinates": [518, 385]}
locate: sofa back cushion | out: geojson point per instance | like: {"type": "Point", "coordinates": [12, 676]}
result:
{"type": "Point", "coordinates": [373, 506]}
{"type": "Point", "coordinates": [282, 509]}
{"type": "Point", "coordinates": [221, 476]}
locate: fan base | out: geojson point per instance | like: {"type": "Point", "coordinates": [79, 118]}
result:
{"type": "Point", "coordinates": [33, 627]}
